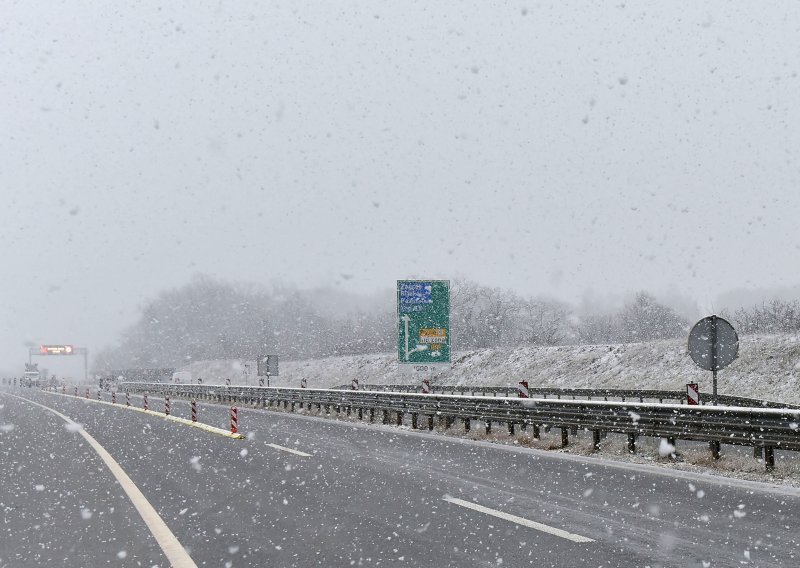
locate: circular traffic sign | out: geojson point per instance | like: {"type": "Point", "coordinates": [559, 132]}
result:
{"type": "Point", "coordinates": [713, 343]}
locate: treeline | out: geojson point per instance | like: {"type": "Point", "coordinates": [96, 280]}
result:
{"type": "Point", "coordinates": [776, 316]}
{"type": "Point", "coordinates": [213, 319]}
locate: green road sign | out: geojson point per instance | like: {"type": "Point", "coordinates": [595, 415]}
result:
{"type": "Point", "coordinates": [423, 325]}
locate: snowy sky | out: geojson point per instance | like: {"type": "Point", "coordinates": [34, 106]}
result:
{"type": "Point", "coordinates": [560, 148]}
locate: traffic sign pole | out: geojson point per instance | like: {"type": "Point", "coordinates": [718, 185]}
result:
{"type": "Point", "coordinates": [714, 357]}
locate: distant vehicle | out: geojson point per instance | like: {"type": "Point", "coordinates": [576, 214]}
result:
{"type": "Point", "coordinates": [30, 379]}
{"type": "Point", "coordinates": [182, 377]}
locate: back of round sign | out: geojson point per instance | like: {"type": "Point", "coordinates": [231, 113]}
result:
{"type": "Point", "coordinates": [713, 343]}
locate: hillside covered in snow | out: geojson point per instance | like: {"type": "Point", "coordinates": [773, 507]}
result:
{"type": "Point", "coordinates": [768, 367]}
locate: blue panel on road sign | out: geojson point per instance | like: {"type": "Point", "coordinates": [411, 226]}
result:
{"type": "Point", "coordinates": [414, 294]}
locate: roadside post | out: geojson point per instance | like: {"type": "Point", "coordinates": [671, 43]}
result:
{"type": "Point", "coordinates": [692, 394]}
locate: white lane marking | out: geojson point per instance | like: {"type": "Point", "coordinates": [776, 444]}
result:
{"type": "Point", "coordinates": [290, 450]}
{"type": "Point", "coordinates": [519, 520]}
{"type": "Point", "coordinates": [173, 550]}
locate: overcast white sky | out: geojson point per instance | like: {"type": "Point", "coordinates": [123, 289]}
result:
{"type": "Point", "coordinates": [554, 148]}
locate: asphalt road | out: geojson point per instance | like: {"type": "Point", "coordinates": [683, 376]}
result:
{"type": "Point", "coordinates": [366, 495]}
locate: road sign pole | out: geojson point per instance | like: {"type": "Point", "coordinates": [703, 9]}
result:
{"type": "Point", "coordinates": [714, 375]}
{"type": "Point", "coordinates": [714, 362]}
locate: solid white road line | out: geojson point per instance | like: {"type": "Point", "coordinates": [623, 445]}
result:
{"type": "Point", "coordinates": [519, 520]}
{"type": "Point", "coordinates": [173, 550]}
{"type": "Point", "coordinates": [290, 450]}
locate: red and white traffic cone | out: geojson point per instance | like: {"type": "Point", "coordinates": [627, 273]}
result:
{"type": "Point", "coordinates": [145, 401]}
{"type": "Point", "coordinates": [194, 411]}
{"type": "Point", "coordinates": [166, 405]}
{"type": "Point", "coordinates": [234, 420]}
{"type": "Point", "coordinates": [113, 397]}
{"type": "Point", "coordinates": [127, 398]}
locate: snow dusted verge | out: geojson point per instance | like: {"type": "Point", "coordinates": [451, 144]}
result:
{"type": "Point", "coordinates": [768, 367]}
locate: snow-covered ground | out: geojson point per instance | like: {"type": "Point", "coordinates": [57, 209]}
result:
{"type": "Point", "coordinates": [768, 367]}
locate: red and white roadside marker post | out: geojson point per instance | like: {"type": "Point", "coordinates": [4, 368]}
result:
{"type": "Point", "coordinates": [234, 420]}
{"type": "Point", "coordinates": [127, 398]}
{"type": "Point", "coordinates": [76, 391]}
{"type": "Point", "coordinates": [144, 403]}
{"type": "Point", "coordinates": [522, 390]}
{"type": "Point", "coordinates": [166, 405]}
{"type": "Point", "coordinates": [98, 394]}
{"type": "Point", "coordinates": [354, 385]}
{"type": "Point", "coordinates": [303, 383]}
{"type": "Point", "coordinates": [426, 386]}
{"type": "Point", "coordinates": [113, 397]}
{"type": "Point", "coordinates": [227, 382]}
{"type": "Point", "coordinates": [87, 393]}
{"type": "Point", "coordinates": [692, 394]}
{"type": "Point", "coordinates": [194, 411]}
{"type": "Point", "coordinates": [63, 389]}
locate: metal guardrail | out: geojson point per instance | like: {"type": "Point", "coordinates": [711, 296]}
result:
{"type": "Point", "coordinates": [623, 395]}
{"type": "Point", "coordinates": [762, 428]}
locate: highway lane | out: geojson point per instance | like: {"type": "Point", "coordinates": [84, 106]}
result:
{"type": "Point", "coordinates": [374, 495]}
{"type": "Point", "coordinates": [60, 505]}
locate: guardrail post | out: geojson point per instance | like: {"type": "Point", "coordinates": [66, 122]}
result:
{"type": "Point", "coordinates": [488, 427]}
{"type": "Point", "coordinates": [430, 421]}
{"type": "Point", "coordinates": [631, 443]}
{"type": "Point", "coordinates": [385, 416]}
{"type": "Point", "coordinates": [292, 407]}
{"type": "Point", "coordinates": [714, 446]}
{"type": "Point", "coordinates": [372, 415]}
{"type": "Point", "coordinates": [595, 440]}
{"type": "Point", "coordinates": [466, 424]}
{"type": "Point", "coordinates": [564, 437]}
{"type": "Point", "coordinates": [414, 416]}
{"type": "Point", "coordinates": [399, 418]}
{"type": "Point", "coordinates": [360, 413]}
{"type": "Point", "coordinates": [535, 428]}
{"type": "Point", "coordinates": [574, 430]}
{"type": "Point", "coordinates": [758, 452]}
{"type": "Point", "coordinates": [769, 458]}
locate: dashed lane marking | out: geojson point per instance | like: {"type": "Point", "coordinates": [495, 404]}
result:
{"type": "Point", "coordinates": [519, 520]}
{"type": "Point", "coordinates": [290, 450]}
